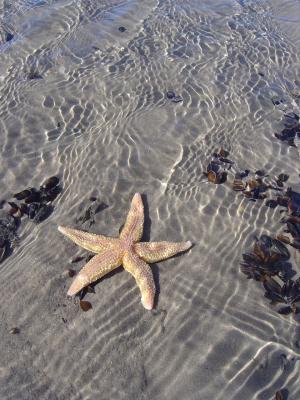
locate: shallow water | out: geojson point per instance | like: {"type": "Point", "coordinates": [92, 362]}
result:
{"type": "Point", "coordinates": [95, 113]}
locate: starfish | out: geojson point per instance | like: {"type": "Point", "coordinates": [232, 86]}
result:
{"type": "Point", "coordinates": [127, 250]}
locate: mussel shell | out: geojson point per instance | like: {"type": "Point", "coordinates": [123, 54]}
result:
{"type": "Point", "coordinates": [223, 153]}
{"type": "Point", "coordinates": [14, 207]}
{"type": "Point", "coordinates": [32, 210]}
{"type": "Point", "coordinates": [24, 208]}
{"type": "Point", "coordinates": [282, 201]}
{"type": "Point", "coordinates": [221, 177]}
{"type": "Point", "coordinates": [50, 183]}
{"type": "Point", "coordinates": [260, 251]}
{"type": "Point", "coordinates": [296, 244]}
{"type": "Point", "coordinates": [213, 166]}
{"type": "Point", "coordinates": [51, 194]}
{"type": "Point", "coordinates": [212, 177]}
{"type": "Point", "coordinates": [282, 177]}
{"type": "Point", "coordinates": [272, 286]}
{"type": "Point", "coordinates": [279, 248]}
{"type": "Point", "coordinates": [34, 197]}
{"type": "Point", "coordinates": [251, 272]}
{"type": "Point", "coordinates": [238, 185]}
{"type": "Point", "coordinates": [22, 195]}
{"type": "Point", "coordinates": [271, 203]}
{"type": "Point", "coordinates": [226, 160]}
{"type": "Point", "coordinates": [260, 172]}
{"type": "Point", "coordinates": [286, 310]}
{"type": "Point", "coordinates": [42, 213]}
{"type": "Point", "coordinates": [293, 228]}
{"type": "Point", "coordinates": [251, 258]}
{"type": "Point", "coordinates": [283, 238]}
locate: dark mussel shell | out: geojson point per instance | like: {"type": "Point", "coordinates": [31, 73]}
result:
{"type": "Point", "coordinates": [14, 207]}
{"type": "Point", "coordinates": [33, 209]}
{"type": "Point", "coordinates": [293, 228]}
{"type": "Point", "coordinates": [226, 160]}
{"type": "Point", "coordinates": [271, 203]}
{"type": "Point", "coordinates": [296, 243]}
{"type": "Point", "coordinates": [282, 201]}
{"type": "Point", "coordinates": [24, 208]}
{"type": "Point", "coordinates": [42, 213]}
{"type": "Point", "coordinates": [279, 395]}
{"type": "Point", "coordinates": [260, 173]}
{"type": "Point", "coordinates": [280, 249]}
{"type": "Point", "coordinates": [251, 271]}
{"type": "Point", "coordinates": [273, 290]}
{"type": "Point", "coordinates": [291, 120]}
{"type": "Point", "coordinates": [34, 196]}
{"type": "Point", "coordinates": [282, 177]}
{"type": "Point", "coordinates": [22, 195]}
{"type": "Point", "coordinates": [51, 194]}
{"type": "Point", "coordinates": [251, 258]}
{"type": "Point", "coordinates": [71, 272]}
{"type": "Point", "coordinates": [50, 183]}
{"type": "Point", "coordinates": [286, 310]}
{"type": "Point", "coordinates": [291, 291]}
{"type": "Point", "coordinates": [271, 250]}
{"type": "Point", "coordinates": [213, 166]}
{"type": "Point", "coordinates": [217, 178]}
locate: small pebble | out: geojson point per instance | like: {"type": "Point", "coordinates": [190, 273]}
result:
{"type": "Point", "coordinates": [85, 305]}
{"type": "Point", "coordinates": [177, 99]}
{"type": "Point", "coordinates": [9, 36]}
{"type": "Point", "coordinates": [71, 272]}
{"type": "Point", "coordinates": [170, 94]}
{"type": "Point", "coordinates": [14, 331]}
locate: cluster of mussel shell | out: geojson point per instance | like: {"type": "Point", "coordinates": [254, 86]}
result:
{"type": "Point", "coordinates": [216, 171]}
{"type": "Point", "coordinates": [252, 185]}
{"type": "Point", "coordinates": [255, 187]}
{"type": "Point", "coordinates": [36, 204]}
{"type": "Point", "coordinates": [291, 129]}
{"type": "Point", "coordinates": [268, 264]}
{"type": "Point", "coordinates": [291, 200]}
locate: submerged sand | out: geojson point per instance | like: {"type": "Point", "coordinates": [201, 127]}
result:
{"type": "Point", "coordinates": [100, 120]}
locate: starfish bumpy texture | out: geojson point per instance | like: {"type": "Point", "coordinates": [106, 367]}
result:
{"type": "Point", "coordinates": [125, 250]}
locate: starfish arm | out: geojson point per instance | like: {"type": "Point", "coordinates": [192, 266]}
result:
{"type": "Point", "coordinates": [156, 251]}
{"type": "Point", "coordinates": [133, 228]}
{"type": "Point", "coordinates": [143, 275]}
{"type": "Point", "coordinates": [89, 241]}
{"type": "Point", "coordinates": [98, 266]}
